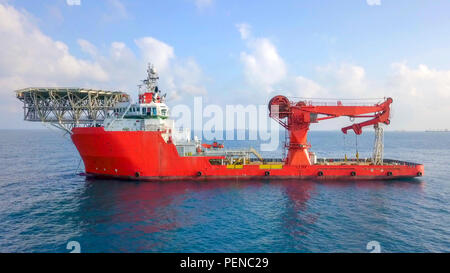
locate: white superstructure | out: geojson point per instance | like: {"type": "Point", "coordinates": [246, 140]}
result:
{"type": "Point", "coordinates": [149, 114]}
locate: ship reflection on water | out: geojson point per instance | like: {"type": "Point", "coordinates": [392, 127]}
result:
{"type": "Point", "coordinates": [225, 215]}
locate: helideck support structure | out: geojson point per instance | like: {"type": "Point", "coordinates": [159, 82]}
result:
{"type": "Point", "coordinates": [66, 108]}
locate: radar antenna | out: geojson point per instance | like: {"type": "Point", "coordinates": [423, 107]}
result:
{"type": "Point", "coordinates": [148, 90]}
{"type": "Point", "coordinates": [151, 81]}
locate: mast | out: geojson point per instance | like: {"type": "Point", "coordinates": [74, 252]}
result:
{"type": "Point", "coordinates": [148, 90]}
{"type": "Point", "coordinates": [152, 78]}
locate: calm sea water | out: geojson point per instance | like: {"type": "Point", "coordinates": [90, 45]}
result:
{"type": "Point", "coordinates": [44, 204]}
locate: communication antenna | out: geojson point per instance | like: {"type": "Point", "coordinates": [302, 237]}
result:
{"type": "Point", "coordinates": [152, 78]}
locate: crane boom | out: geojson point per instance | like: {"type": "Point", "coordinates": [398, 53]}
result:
{"type": "Point", "coordinates": [301, 114]}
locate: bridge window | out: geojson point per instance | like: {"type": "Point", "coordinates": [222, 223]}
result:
{"type": "Point", "coordinates": [154, 111]}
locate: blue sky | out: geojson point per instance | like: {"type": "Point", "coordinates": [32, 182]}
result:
{"type": "Point", "coordinates": [308, 32]}
{"type": "Point", "coordinates": [237, 51]}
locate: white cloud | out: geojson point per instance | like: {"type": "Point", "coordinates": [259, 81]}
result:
{"type": "Point", "coordinates": [87, 47]}
{"type": "Point", "coordinates": [201, 4]}
{"type": "Point", "coordinates": [306, 88]}
{"type": "Point", "coordinates": [156, 51]}
{"type": "Point", "coordinates": [332, 81]}
{"type": "Point", "coordinates": [346, 80]}
{"type": "Point", "coordinates": [55, 15]}
{"type": "Point", "coordinates": [373, 2]}
{"type": "Point", "coordinates": [265, 69]}
{"type": "Point", "coordinates": [116, 10]}
{"type": "Point", "coordinates": [178, 77]}
{"type": "Point", "coordinates": [120, 52]}
{"type": "Point", "coordinates": [30, 58]}
{"type": "Point", "coordinates": [421, 82]}
{"type": "Point", "coordinates": [73, 2]}
{"type": "Point", "coordinates": [244, 30]}
{"type": "Point", "coordinates": [26, 51]}
{"type": "Point", "coordinates": [421, 96]}
{"type": "Point", "coordinates": [263, 66]}
{"type": "Point", "coordinates": [189, 75]}
{"type": "Point", "coordinates": [119, 7]}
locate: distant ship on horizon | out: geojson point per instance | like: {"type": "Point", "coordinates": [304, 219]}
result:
{"type": "Point", "coordinates": [437, 130]}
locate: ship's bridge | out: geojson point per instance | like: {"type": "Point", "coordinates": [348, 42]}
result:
{"type": "Point", "coordinates": [142, 110]}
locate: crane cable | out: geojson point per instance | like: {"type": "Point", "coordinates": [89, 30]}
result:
{"type": "Point", "coordinates": [357, 153]}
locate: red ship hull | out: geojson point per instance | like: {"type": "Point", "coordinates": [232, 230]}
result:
{"type": "Point", "coordinates": [144, 155]}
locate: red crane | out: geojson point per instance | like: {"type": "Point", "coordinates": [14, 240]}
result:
{"type": "Point", "coordinates": [301, 114]}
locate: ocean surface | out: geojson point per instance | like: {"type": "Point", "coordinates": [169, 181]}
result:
{"type": "Point", "coordinates": [44, 204]}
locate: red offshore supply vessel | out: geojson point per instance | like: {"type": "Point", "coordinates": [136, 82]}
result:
{"type": "Point", "coordinates": [139, 141]}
